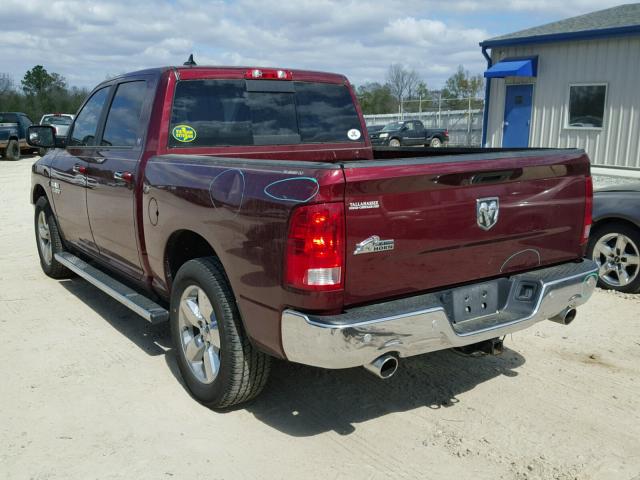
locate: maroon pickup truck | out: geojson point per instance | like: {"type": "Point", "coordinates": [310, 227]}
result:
{"type": "Point", "coordinates": [248, 208]}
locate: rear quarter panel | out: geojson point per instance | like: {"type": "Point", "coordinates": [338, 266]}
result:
{"type": "Point", "coordinates": [241, 208]}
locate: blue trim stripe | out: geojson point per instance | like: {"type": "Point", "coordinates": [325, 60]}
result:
{"type": "Point", "coordinates": [559, 37]}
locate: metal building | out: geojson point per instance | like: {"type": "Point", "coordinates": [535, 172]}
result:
{"type": "Point", "coordinates": [572, 83]}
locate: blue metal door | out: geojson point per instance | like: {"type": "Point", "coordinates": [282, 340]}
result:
{"type": "Point", "coordinates": [517, 116]}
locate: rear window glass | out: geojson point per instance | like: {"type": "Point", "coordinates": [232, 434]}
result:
{"type": "Point", "coordinates": [56, 120]}
{"type": "Point", "coordinates": [222, 112]}
{"type": "Point", "coordinates": [8, 118]}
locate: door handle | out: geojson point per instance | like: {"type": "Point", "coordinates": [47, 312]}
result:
{"type": "Point", "coordinates": [123, 176]}
{"type": "Point", "coordinates": [77, 168]}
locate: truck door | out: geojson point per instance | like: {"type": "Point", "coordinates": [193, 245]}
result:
{"type": "Point", "coordinates": [412, 136]}
{"type": "Point", "coordinates": [112, 175]}
{"type": "Point", "coordinates": [69, 173]}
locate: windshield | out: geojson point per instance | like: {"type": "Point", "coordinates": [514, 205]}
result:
{"type": "Point", "coordinates": [209, 113]}
{"type": "Point", "coordinates": [392, 126]}
{"type": "Point", "coordinates": [56, 120]}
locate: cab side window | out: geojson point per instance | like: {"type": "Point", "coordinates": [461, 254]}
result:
{"type": "Point", "coordinates": [86, 125]}
{"type": "Point", "coordinates": [124, 122]}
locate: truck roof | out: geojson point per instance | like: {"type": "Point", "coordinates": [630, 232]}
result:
{"type": "Point", "coordinates": [213, 71]}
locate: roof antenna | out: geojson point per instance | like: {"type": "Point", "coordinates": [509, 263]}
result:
{"type": "Point", "coordinates": [191, 62]}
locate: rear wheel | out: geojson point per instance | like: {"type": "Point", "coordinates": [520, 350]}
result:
{"type": "Point", "coordinates": [435, 142]}
{"type": "Point", "coordinates": [615, 247]}
{"type": "Point", "coordinates": [12, 152]}
{"type": "Point", "coordinates": [394, 142]}
{"type": "Point", "coordinates": [48, 240]}
{"type": "Point", "coordinates": [219, 365]}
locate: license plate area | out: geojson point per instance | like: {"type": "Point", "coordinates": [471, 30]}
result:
{"type": "Point", "coordinates": [475, 301]}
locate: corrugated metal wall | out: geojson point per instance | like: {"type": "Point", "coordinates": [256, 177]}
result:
{"type": "Point", "coordinates": [615, 61]}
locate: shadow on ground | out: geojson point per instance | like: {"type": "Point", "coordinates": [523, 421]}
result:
{"type": "Point", "coordinates": [304, 401]}
{"type": "Point", "coordinates": [152, 339]}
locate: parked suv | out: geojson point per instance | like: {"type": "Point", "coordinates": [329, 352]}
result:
{"type": "Point", "coordinates": [13, 130]}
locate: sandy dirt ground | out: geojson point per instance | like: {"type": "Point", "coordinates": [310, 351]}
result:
{"type": "Point", "coordinates": [89, 390]}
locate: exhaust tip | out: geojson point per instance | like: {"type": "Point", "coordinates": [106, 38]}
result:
{"type": "Point", "coordinates": [570, 316]}
{"type": "Point", "coordinates": [565, 317]}
{"type": "Point", "coordinates": [383, 367]}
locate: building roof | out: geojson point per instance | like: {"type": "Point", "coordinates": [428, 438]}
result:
{"type": "Point", "coordinates": [620, 20]}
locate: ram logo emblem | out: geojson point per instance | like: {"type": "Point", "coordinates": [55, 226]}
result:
{"type": "Point", "coordinates": [487, 210]}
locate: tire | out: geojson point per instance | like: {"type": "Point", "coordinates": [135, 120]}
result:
{"type": "Point", "coordinates": [46, 226]}
{"type": "Point", "coordinates": [222, 368]}
{"type": "Point", "coordinates": [615, 247]}
{"type": "Point", "coordinates": [435, 142]}
{"type": "Point", "coordinates": [42, 151]}
{"type": "Point", "coordinates": [12, 152]}
{"type": "Point", "coordinates": [394, 142]}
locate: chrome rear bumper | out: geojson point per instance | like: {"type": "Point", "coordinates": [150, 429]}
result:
{"type": "Point", "coordinates": [426, 323]}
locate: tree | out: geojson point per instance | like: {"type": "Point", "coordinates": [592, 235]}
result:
{"type": "Point", "coordinates": [401, 81]}
{"type": "Point", "coordinates": [38, 81]}
{"type": "Point", "coordinates": [375, 98]}
{"type": "Point", "coordinates": [461, 86]}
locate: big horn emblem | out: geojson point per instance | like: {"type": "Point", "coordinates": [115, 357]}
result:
{"type": "Point", "coordinates": [487, 210]}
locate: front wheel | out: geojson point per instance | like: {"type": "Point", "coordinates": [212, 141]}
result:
{"type": "Point", "coordinates": [219, 365]}
{"type": "Point", "coordinates": [48, 240]}
{"type": "Point", "coordinates": [12, 151]}
{"type": "Point", "coordinates": [394, 142]}
{"type": "Point", "coordinates": [615, 247]}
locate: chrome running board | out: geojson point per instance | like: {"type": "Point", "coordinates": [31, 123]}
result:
{"type": "Point", "coordinates": [131, 299]}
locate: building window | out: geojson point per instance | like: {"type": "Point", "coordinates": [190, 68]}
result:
{"type": "Point", "coordinates": [586, 105]}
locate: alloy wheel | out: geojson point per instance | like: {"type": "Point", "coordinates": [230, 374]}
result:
{"type": "Point", "coordinates": [618, 259]}
{"type": "Point", "coordinates": [44, 238]}
{"type": "Point", "coordinates": [199, 334]}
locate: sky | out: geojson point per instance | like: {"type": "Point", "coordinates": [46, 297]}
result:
{"type": "Point", "coordinates": [87, 41]}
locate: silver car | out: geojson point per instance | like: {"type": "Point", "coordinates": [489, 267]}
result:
{"type": "Point", "coordinates": [60, 121]}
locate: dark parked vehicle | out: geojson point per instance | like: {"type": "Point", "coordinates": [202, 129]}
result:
{"type": "Point", "coordinates": [614, 243]}
{"type": "Point", "coordinates": [409, 133]}
{"type": "Point", "coordinates": [13, 131]}
{"type": "Point", "coordinates": [247, 208]}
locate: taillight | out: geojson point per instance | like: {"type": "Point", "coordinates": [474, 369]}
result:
{"type": "Point", "coordinates": [267, 74]}
{"type": "Point", "coordinates": [588, 211]}
{"type": "Point", "coordinates": [446, 133]}
{"type": "Point", "coordinates": [315, 247]}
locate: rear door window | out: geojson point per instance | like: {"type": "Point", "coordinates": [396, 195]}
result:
{"type": "Point", "coordinates": [124, 120]}
{"type": "Point", "coordinates": [8, 118]}
{"type": "Point", "coordinates": [225, 112]}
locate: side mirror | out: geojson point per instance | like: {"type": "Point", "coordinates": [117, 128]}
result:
{"type": "Point", "coordinates": [41, 136]}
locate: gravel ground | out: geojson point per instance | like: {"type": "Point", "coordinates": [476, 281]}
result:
{"type": "Point", "coordinates": [601, 181]}
{"type": "Point", "coordinates": [89, 390]}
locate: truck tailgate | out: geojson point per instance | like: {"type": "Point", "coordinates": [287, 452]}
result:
{"type": "Point", "coordinates": [456, 219]}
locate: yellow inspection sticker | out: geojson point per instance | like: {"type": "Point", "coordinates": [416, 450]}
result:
{"type": "Point", "coordinates": [184, 133]}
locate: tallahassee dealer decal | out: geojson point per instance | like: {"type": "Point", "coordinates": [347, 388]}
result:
{"type": "Point", "coordinates": [487, 210]}
{"type": "Point", "coordinates": [364, 205]}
